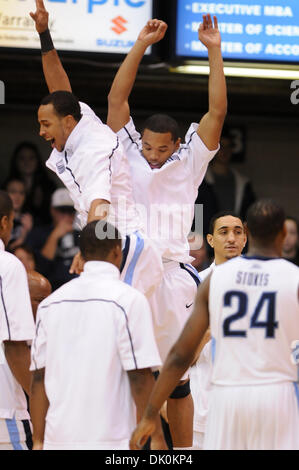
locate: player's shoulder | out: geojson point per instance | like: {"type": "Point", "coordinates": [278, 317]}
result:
{"type": "Point", "coordinates": [64, 292]}
{"type": "Point", "coordinates": [228, 266]}
{"type": "Point", "coordinates": [8, 262]}
{"type": "Point", "coordinates": [204, 274]}
{"type": "Point", "coordinates": [129, 295]}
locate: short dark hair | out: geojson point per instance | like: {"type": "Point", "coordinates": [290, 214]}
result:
{"type": "Point", "coordinates": [97, 239]}
{"type": "Point", "coordinates": [64, 103]}
{"type": "Point", "coordinates": [6, 206]}
{"type": "Point", "coordinates": [162, 123]}
{"type": "Point", "coordinates": [222, 214]}
{"type": "Point", "coordinates": [13, 180]}
{"type": "Point", "coordinates": [265, 219]}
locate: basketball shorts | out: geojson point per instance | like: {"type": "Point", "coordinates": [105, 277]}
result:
{"type": "Point", "coordinates": [15, 434]}
{"type": "Point", "coordinates": [172, 304]}
{"type": "Point", "coordinates": [255, 417]}
{"type": "Point", "coordinates": [142, 265]}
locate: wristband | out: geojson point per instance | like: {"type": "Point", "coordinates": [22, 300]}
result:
{"type": "Point", "coordinates": [46, 41]}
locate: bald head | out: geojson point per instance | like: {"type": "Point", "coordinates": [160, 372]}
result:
{"type": "Point", "coordinates": [39, 288]}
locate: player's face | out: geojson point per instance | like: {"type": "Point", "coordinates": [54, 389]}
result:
{"type": "Point", "coordinates": [17, 193]}
{"type": "Point", "coordinates": [157, 148]}
{"type": "Point", "coordinates": [291, 239]}
{"type": "Point", "coordinates": [228, 239]}
{"type": "Point", "coordinates": [52, 127]}
{"type": "Point", "coordinates": [6, 227]}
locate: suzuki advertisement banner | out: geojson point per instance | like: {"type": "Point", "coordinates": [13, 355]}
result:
{"type": "Point", "coordinates": [76, 25]}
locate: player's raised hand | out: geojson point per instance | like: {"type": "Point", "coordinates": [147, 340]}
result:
{"type": "Point", "coordinates": [40, 17]}
{"type": "Point", "coordinates": [153, 32]}
{"type": "Point", "coordinates": [208, 33]}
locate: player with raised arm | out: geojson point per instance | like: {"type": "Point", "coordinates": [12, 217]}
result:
{"type": "Point", "coordinates": [252, 305]}
{"type": "Point", "coordinates": [165, 176]}
{"type": "Point", "coordinates": [89, 159]}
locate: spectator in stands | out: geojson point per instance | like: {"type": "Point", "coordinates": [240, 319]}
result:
{"type": "Point", "coordinates": [23, 220]}
{"type": "Point", "coordinates": [27, 165]}
{"type": "Point", "coordinates": [26, 256]}
{"type": "Point", "coordinates": [290, 249]}
{"type": "Point", "coordinates": [56, 244]}
{"type": "Point", "coordinates": [224, 188]}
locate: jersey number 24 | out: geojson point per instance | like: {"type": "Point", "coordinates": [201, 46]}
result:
{"type": "Point", "coordinates": [267, 300]}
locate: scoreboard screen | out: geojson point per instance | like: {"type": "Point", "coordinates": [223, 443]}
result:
{"type": "Point", "coordinates": [257, 30]}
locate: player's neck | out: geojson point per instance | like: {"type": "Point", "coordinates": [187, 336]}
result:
{"type": "Point", "coordinates": [219, 260]}
{"type": "Point", "coordinates": [260, 250]}
{"type": "Point", "coordinates": [289, 254]}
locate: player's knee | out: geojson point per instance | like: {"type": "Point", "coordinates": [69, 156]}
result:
{"type": "Point", "coordinates": [182, 390]}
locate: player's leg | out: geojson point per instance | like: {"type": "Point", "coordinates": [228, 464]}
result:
{"type": "Point", "coordinates": [171, 306]}
{"type": "Point", "coordinates": [180, 415]}
{"type": "Point", "coordinates": [142, 265]}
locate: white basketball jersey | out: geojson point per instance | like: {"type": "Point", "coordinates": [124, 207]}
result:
{"type": "Point", "coordinates": [254, 318]}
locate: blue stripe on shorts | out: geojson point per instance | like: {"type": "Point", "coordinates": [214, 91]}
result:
{"type": "Point", "coordinates": [13, 434]}
{"type": "Point", "coordinates": [132, 265]}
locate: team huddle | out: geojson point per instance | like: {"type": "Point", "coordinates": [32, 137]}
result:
{"type": "Point", "coordinates": [222, 344]}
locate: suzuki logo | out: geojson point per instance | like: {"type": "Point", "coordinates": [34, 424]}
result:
{"type": "Point", "coordinates": [119, 22]}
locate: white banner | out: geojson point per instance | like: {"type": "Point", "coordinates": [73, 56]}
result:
{"type": "Point", "coordinates": [76, 25]}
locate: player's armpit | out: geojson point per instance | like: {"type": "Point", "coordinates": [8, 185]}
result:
{"type": "Point", "coordinates": [210, 128]}
{"type": "Point", "coordinates": [118, 114]}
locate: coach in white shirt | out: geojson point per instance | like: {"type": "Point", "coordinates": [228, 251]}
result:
{"type": "Point", "coordinates": [92, 355]}
{"type": "Point", "coordinates": [166, 175]}
{"type": "Point", "coordinates": [16, 328]}
{"type": "Point", "coordinates": [89, 159]}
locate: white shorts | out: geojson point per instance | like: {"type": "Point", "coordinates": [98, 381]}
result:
{"type": "Point", "coordinates": [13, 434]}
{"type": "Point", "coordinates": [142, 265]}
{"type": "Point", "coordinates": [172, 304]}
{"type": "Point", "coordinates": [198, 438]}
{"type": "Point", "coordinates": [255, 417]}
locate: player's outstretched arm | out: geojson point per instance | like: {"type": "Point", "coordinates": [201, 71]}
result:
{"type": "Point", "coordinates": [210, 126]}
{"type": "Point", "coordinates": [55, 75]}
{"type": "Point", "coordinates": [142, 383]}
{"type": "Point", "coordinates": [177, 362]}
{"type": "Point", "coordinates": [118, 105]}
{"type": "Point", "coordinates": [39, 405]}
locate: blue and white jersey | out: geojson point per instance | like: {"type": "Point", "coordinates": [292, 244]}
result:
{"type": "Point", "coordinates": [254, 319]}
{"type": "Point", "coordinates": [166, 195]}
